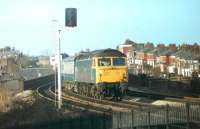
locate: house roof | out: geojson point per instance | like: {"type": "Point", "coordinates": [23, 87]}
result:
{"type": "Point", "coordinates": [187, 55]}
{"type": "Point", "coordinates": [145, 50]}
{"type": "Point", "coordinates": [138, 47]}
{"type": "Point", "coordinates": [167, 52]}
{"type": "Point", "coordinates": [157, 51]}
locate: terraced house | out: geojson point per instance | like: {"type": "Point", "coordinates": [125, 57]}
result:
{"type": "Point", "coordinates": [186, 63]}
{"type": "Point", "coordinates": [163, 59]}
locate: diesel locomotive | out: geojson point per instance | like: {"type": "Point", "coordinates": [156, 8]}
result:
{"type": "Point", "coordinates": [99, 73]}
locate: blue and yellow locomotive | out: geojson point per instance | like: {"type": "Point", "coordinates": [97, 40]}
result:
{"type": "Point", "coordinates": [99, 73]}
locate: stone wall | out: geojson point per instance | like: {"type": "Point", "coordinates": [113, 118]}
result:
{"type": "Point", "coordinates": [5, 99]}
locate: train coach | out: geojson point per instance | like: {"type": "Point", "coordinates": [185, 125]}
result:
{"type": "Point", "coordinates": [98, 73]}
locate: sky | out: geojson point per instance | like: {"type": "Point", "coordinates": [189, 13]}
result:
{"type": "Point", "coordinates": [27, 24]}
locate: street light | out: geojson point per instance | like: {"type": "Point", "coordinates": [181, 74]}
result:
{"type": "Point", "coordinates": [70, 21]}
{"type": "Point", "coordinates": [58, 64]}
{"type": "Point", "coordinates": [59, 71]}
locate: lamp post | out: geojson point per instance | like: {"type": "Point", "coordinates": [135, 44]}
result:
{"type": "Point", "coordinates": [58, 65]}
{"type": "Point", "coordinates": [55, 88]}
{"type": "Point", "coordinates": [70, 21]}
{"type": "Point", "coordinates": [59, 71]}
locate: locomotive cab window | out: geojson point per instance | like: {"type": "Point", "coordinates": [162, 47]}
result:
{"type": "Point", "coordinates": [119, 61]}
{"type": "Point", "coordinates": [104, 62]}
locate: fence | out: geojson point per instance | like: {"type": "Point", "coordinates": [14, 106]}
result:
{"type": "Point", "coordinates": [179, 116]}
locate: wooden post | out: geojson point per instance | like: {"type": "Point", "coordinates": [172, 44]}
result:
{"type": "Point", "coordinates": [167, 116]}
{"type": "Point", "coordinates": [118, 121]}
{"type": "Point", "coordinates": [120, 116]}
{"type": "Point", "coordinates": [132, 116]}
{"type": "Point", "coordinates": [92, 122]}
{"type": "Point", "coordinates": [104, 120]}
{"type": "Point", "coordinates": [188, 114]}
{"type": "Point", "coordinates": [80, 121]}
{"type": "Point", "coordinates": [149, 118]}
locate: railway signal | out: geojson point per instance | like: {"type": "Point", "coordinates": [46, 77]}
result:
{"type": "Point", "coordinates": [70, 17]}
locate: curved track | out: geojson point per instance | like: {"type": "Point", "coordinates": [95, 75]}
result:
{"type": "Point", "coordinates": [90, 103]}
{"type": "Point", "coordinates": [126, 105]}
{"type": "Point", "coordinates": [70, 98]}
{"type": "Point", "coordinates": [43, 91]}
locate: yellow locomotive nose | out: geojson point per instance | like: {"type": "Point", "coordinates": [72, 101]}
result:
{"type": "Point", "coordinates": [111, 75]}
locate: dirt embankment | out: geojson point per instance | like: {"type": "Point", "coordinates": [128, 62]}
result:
{"type": "Point", "coordinates": [28, 109]}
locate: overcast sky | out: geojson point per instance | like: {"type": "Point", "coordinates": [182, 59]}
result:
{"type": "Point", "coordinates": [27, 24]}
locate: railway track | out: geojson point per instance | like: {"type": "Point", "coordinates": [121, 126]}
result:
{"type": "Point", "coordinates": [101, 105]}
{"type": "Point", "coordinates": [169, 100]}
{"type": "Point", "coordinates": [103, 102]}
{"type": "Point", "coordinates": [184, 100]}
{"type": "Point", "coordinates": [143, 109]}
{"type": "Point", "coordinates": [150, 95]}
{"type": "Point", "coordinates": [176, 114]}
{"type": "Point", "coordinates": [70, 98]}
{"type": "Point", "coordinates": [44, 92]}
{"type": "Point", "coordinates": [119, 104]}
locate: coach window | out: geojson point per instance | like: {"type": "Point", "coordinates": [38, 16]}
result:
{"type": "Point", "coordinates": [104, 62]}
{"type": "Point", "coordinates": [119, 61]}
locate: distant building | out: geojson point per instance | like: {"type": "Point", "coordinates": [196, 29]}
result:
{"type": "Point", "coordinates": [160, 46]}
{"type": "Point", "coordinates": [172, 64]}
{"type": "Point", "coordinates": [10, 75]}
{"type": "Point", "coordinates": [186, 63]}
{"type": "Point", "coordinates": [53, 59]}
{"type": "Point", "coordinates": [149, 45]}
{"type": "Point", "coordinates": [147, 59]}
{"type": "Point", "coordinates": [151, 58]}
{"type": "Point", "coordinates": [43, 60]}
{"type": "Point", "coordinates": [172, 47]}
{"type": "Point", "coordinates": [126, 46]}
{"type": "Point", "coordinates": [9, 68]}
{"type": "Point", "coordinates": [33, 73]}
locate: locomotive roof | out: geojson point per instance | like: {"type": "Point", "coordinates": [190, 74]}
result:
{"type": "Point", "coordinates": [101, 53]}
